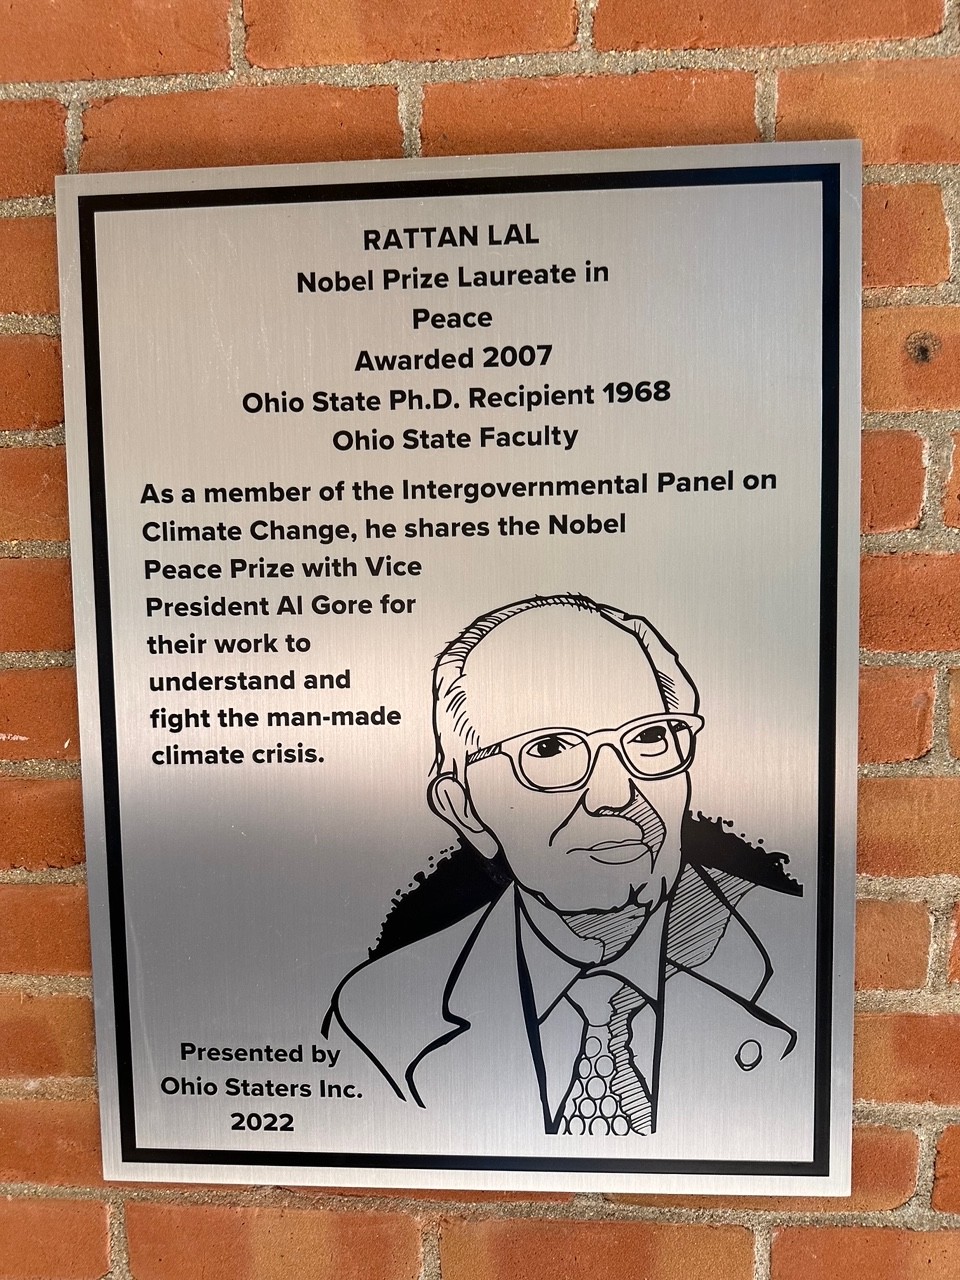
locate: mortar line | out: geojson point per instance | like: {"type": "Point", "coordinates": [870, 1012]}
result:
{"type": "Point", "coordinates": [931, 504]}
{"type": "Point", "coordinates": [927, 423]}
{"type": "Point", "coordinates": [934, 890]}
{"type": "Point", "coordinates": [944, 294]}
{"type": "Point", "coordinates": [586, 10]}
{"type": "Point", "coordinates": [38, 769]}
{"type": "Point", "coordinates": [26, 206]}
{"type": "Point", "coordinates": [119, 1255]}
{"type": "Point", "coordinates": [941, 938]}
{"type": "Point", "coordinates": [930, 982]}
{"type": "Point", "coordinates": [410, 113]}
{"type": "Point", "coordinates": [928, 1135]}
{"type": "Point", "coordinates": [925, 538]}
{"type": "Point", "coordinates": [44, 875]}
{"type": "Point", "coordinates": [237, 27]}
{"type": "Point", "coordinates": [904, 1115]}
{"type": "Point", "coordinates": [762, 1242]}
{"type": "Point", "coordinates": [941, 712]}
{"type": "Point", "coordinates": [34, 549]}
{"type": "Point", "coordinates": [48, 1089]}
{"type": "Point", "coordinates": [900, 173]}
{"type": "Point", "coordinates": [32, 984]}
{"type": "Point", "coordinates": [943, 463]}
{"type": "Point", "coordinates": [925, 658]}
{"type": "Point", "coordinates": [520, 65]}
{"type": "Point", "coordinates": [35, 661]}
{"type": "Point", "coordinates": [929, 767]}
{"type": "Point", "coordinates": [42, 438]}
{"type": "Point", "coordinates": [430, 1268]}
{"type": "Point", "coordinates": [765, 105]}
{"type": "Point", "coordinates": [932, 1001]}
{"type": "Point", "coordinates": [950, 194]}
{"type": "Point", "coordinates": [19, 322]}
{"type": "Point", "coordinates": [74, 135]}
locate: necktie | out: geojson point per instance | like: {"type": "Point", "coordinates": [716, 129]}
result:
{"type": "Point", "coordinates": [608, 1094]}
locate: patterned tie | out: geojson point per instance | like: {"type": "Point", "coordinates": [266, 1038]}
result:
{"type": "Point", "coordinates": [608, 1094]}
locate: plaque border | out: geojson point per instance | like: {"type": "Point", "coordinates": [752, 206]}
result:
{"type": "Point", "coordinates": [828, 174]}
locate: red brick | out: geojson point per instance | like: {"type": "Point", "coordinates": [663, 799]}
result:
{"type": "Point", "coordinates": [837, 1253]}
{"type": "Point", "coordinates": [892, 480]}
{"type": "Point", "coordinates": [43, 929]}
{"type": "Point", "coordinates": [41, 823]}
{"type": "Point", "coordinates": [899, 109]}
{"type": "Point", "coordinates": [42, 618]}
{"type": "Point", "coordinates": [656, 109]}
{"type": "Point", "coordinates": [893, 474]}
{"type": "Point", "coordinates": [281, 124]}
{"type": "Point", "coordinates": [31, 384]}
{"type": "Point", "coordinates": [49, 1141]}
{"type": "Point", "coordinates": [28, 252]}
{"type": "Point", "coordinates": [68, 1239]}
{"type": "Point", "coordinates": [907, 1057]}
{"type": "Point", "coordinates": [521, 1249]}
{"type": "Point", "coordinates": [45, 1035]}
{"type": "Point", "coordinates": [909, 603]}
{"type": "Point", "coordinates": [955, 949]}
{"type": "Point", "coordinates": [38, 715]}
{"type": "Point", "coordinates": [955, 713]}
{"type": "Point", "coordinates": [946, 1186]}
{"type": "Point", "coordinates": [911, 358]}
{"type": "Point", "coordinates": [896, 714]}
{"type": "Point", "coordinates": [33, 495]}
{"type": "Point", "coordinates": [712, 24]}
{"type": "Point", "coordinates": [893, 943]}
{"type": "Point", "coordinates": [909, 826]}
{"type": "Point", "coordinates": [951, 501]}
{"type": "Point", "coordinates": [201, 1242]}
{"type": "Point", "coordinates": [905, 236]}
{"type": "Point", "coordinates": [32, 139]}
{"type": "Point", "coordinates": [283, 33]}
{"type": "Point", "coordinates": [87, 40]}
{"type": "Point", "coordinates": [884, 1177]}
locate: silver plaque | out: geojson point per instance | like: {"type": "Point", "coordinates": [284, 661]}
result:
{"type": "Point", "coordinates": [466, 580]}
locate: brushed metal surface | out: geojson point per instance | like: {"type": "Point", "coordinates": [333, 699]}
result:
{"type": "Point", "coordinates": [236, 900]}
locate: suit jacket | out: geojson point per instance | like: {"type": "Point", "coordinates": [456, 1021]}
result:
{"type": "Point", "coordinates": [448, 1016]}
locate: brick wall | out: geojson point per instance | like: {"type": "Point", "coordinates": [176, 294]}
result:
{"type": "Point", "coordinates": [124, 84]}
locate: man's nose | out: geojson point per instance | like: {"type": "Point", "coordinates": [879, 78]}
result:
{"type": "Point", "coordinates": [609, 786]}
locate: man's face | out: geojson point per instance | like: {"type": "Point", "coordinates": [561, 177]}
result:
{"type": "Point", "coordinates": [613, 840]}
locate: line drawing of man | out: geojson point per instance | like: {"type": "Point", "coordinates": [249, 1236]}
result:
{"type": "Point", "coordinates": [587, 924]}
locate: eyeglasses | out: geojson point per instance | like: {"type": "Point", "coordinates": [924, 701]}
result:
{"type": "Point", "coordinates": [656, 746]}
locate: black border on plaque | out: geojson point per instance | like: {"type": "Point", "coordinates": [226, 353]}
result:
{"type": "Point", "coordinates": [828, 176]}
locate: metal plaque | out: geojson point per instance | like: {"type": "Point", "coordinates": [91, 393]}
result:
{"type": "Point", "coordinates": [466, 580]}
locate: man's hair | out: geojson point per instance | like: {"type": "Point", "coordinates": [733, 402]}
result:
{"type": "Point", "coordinates": [454, 733]}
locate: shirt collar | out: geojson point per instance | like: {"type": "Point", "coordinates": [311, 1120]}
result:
{"type": "Point", "coordinates": [556, 957]}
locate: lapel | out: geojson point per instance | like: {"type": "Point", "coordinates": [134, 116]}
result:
{"type": "Point", "coordinates": [497, 1064]}
{"type": "Point", "coordinates": [724, 1063]}
{"type": "Point", "coordinates": [706, 934]}
{"type": "Point", "coordinates": [393, 1007]}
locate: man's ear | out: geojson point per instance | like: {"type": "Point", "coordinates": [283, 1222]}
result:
{"type": "Point", "coordinates": [450, 800]}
